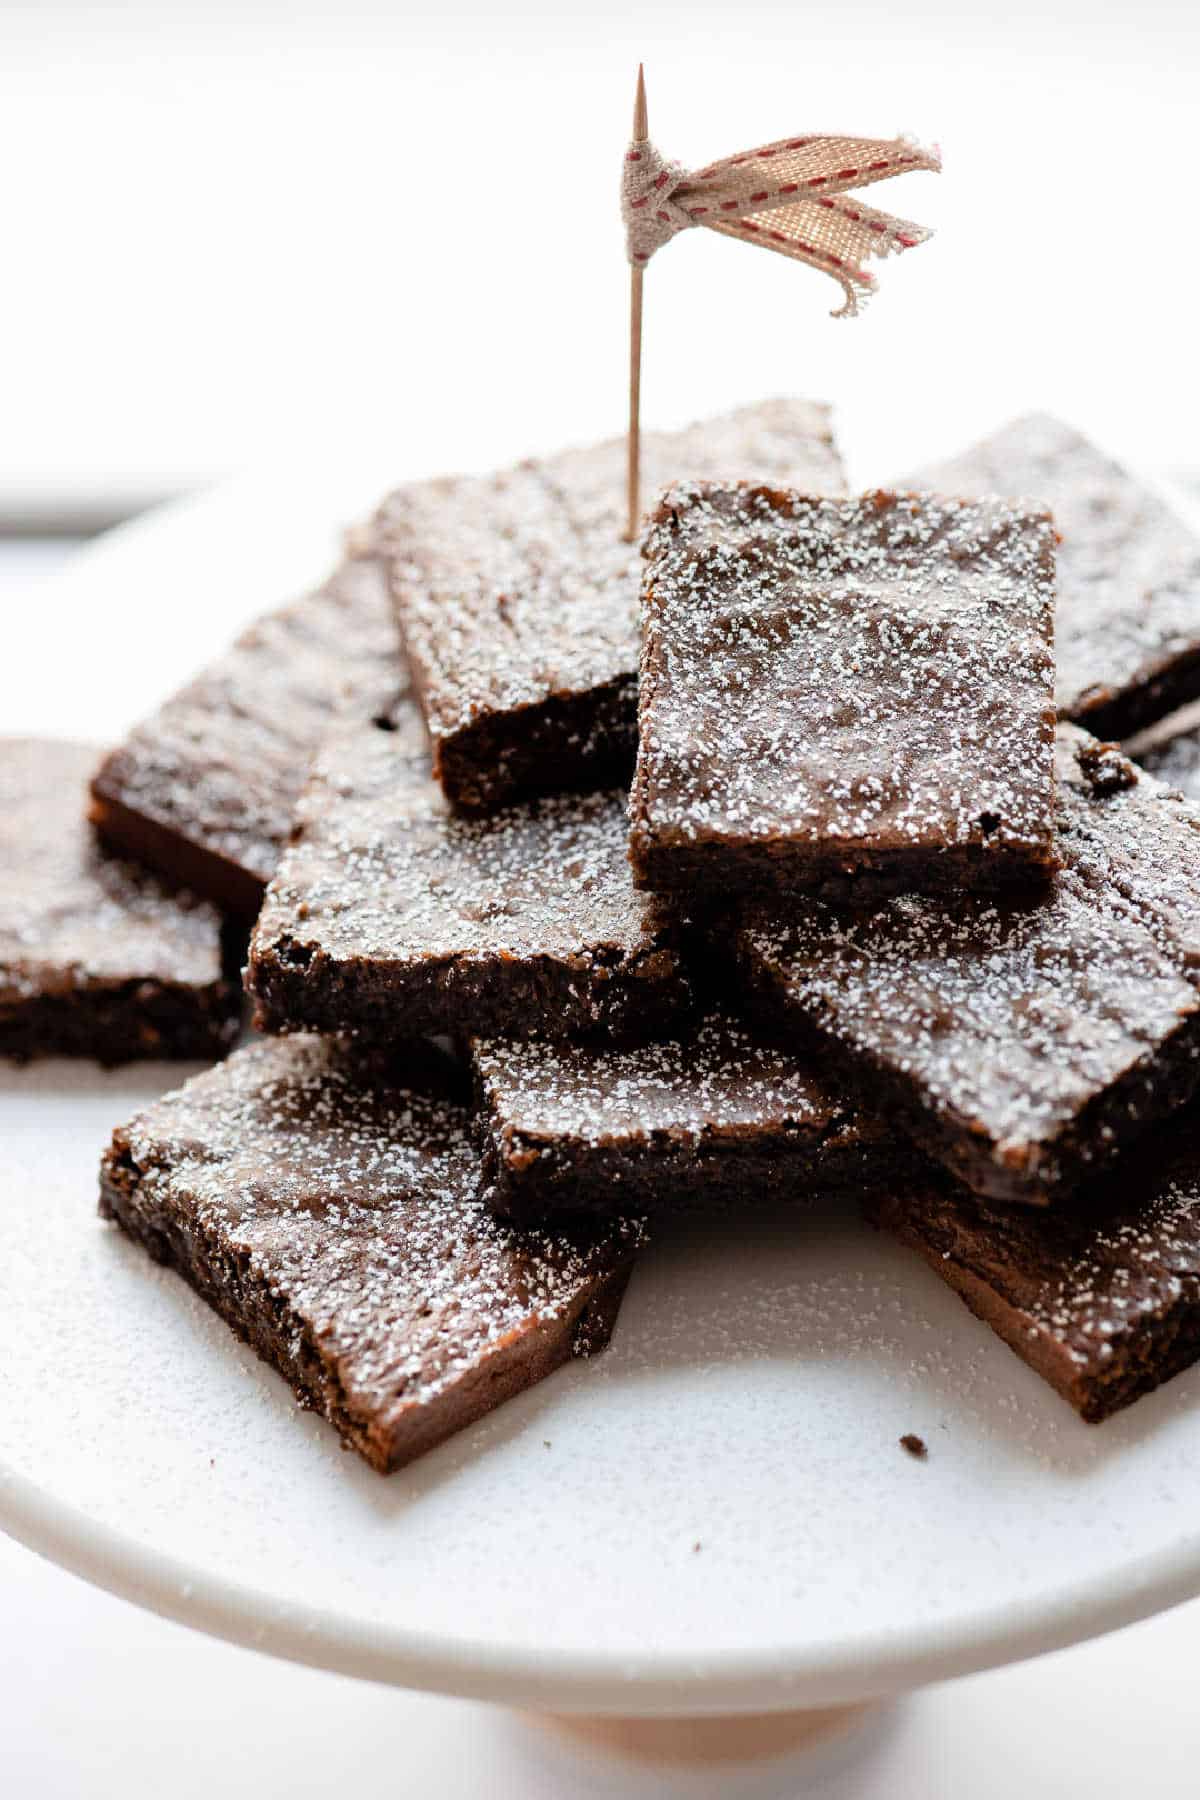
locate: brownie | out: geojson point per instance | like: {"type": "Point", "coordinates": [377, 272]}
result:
{"type": "Point", "coordinates": [324, 1204]}
{"type": "Point", "coordinates": [391, 917]}
{"type": "Point", "coordinates": [1101, 1296]}
{"type": "Point", "coordinates": [517, 597]}
{"type": "Point", "coordinates": [1022, 1041]}
{"type": "Point", "coordinates": [1170, 749]}
{"type": "Point", "coordinates": [205, 789]}
{"type": "Point", "coordinates": [1128, 624]}
{"type": "Point", "coordinates": [717, 1117]}
{"type": "Point", "coordinates": [96, 958]}
{"type": "Point", "coordinates": [843, 697]}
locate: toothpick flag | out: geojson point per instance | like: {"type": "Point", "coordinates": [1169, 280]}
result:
{"type": "Point", "coordinates": [797, 197]}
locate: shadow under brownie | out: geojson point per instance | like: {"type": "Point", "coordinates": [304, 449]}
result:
{"type": "Point", "coordinates": [96, 958]}
{"type": "Point", "coordinates": [390, 917]}
{"type": "Point", "coordinates": [846, 697]}
{"type": "Point", "coordinates": [517, 597]}
{"type": "Point", "coordinates": [1021, 1041]}
{"type": "Point", "coordinates": [324, 1204]}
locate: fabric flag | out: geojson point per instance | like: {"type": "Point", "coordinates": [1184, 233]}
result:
{"type": "Point", "coordinates": [798, 197]}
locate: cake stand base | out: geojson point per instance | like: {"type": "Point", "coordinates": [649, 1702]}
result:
{"type": "Point", "coordinates": [722, 1738]}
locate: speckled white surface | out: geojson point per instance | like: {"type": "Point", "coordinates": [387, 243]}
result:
{"type": "Point", "coordinates": [751, 1403]}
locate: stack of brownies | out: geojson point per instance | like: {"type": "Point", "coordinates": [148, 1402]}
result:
{"type": "Point", "coordinates": [880, 915]}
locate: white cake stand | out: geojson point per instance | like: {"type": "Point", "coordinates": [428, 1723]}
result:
{"type": "Point", "coordinates": [715, 1517]}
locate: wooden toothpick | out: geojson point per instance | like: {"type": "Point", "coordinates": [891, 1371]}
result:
{"type": "Point", "coordinates": [798, 197]}
{"type": "Point", "coordinates": [641, 131]}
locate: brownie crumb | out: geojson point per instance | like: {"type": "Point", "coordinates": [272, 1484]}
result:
{"type": "Point", "coordinates": [914, 1445]}
{"type": "Point", "coordinates": [1106, 769]}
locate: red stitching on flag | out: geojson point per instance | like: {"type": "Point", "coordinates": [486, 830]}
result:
{"type": "Point", "coordinates": [725, 194]}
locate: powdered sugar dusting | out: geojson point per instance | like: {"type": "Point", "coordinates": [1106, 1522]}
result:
{"type": "Point", "coordinates": [223, 761]}
{"type": "Point", "coordinates": [73, 920]}
{"type": "Point", "coordinates": [1008, 1023]}
{"type": "Point", "coordinates": [1104, 1290]}
{"type": "Point", "coordinates": [383, 875]}
{"type": "Point", "coordinates": [1105, 1279]}
{"type": "Point", "coordinates": [516, 588]}
{"type": "Point", "coordinates": [350, 1196]}
{"type": "Point", "coordinates": [1128, 568]}
{"type": "Point", "coordinates": [719, 1080]}
{"type": "Point", "coordinates": [833, 682]}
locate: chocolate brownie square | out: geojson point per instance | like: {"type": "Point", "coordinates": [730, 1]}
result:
{"type": "Point", "coordinates": [324, 1204]}
{"type": "Point", "coordinates": [96, 958]}
{"type": "Point", "coordinates": [517, 598]}
{"type": "Point", "coordinates": [716, 1117]}
{"type": "Point", "coordinates": [844, 697]}
{"type": "Point", "coordinates": [391, 917]}
{"type": "Point", "coordinates": [205, 789]}
{"type": "Point", "coordinates": [1022, 1041]}
{"type": "Point", "coordinates": [1128, 625]}
{"type": "Point", "coordinates": [1101, 1296]}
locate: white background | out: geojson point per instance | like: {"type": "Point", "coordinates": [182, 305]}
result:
{"type": "Point", "coordinates": [238, 225]}
{"type": "Point", "coordinates": [236, 230]}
